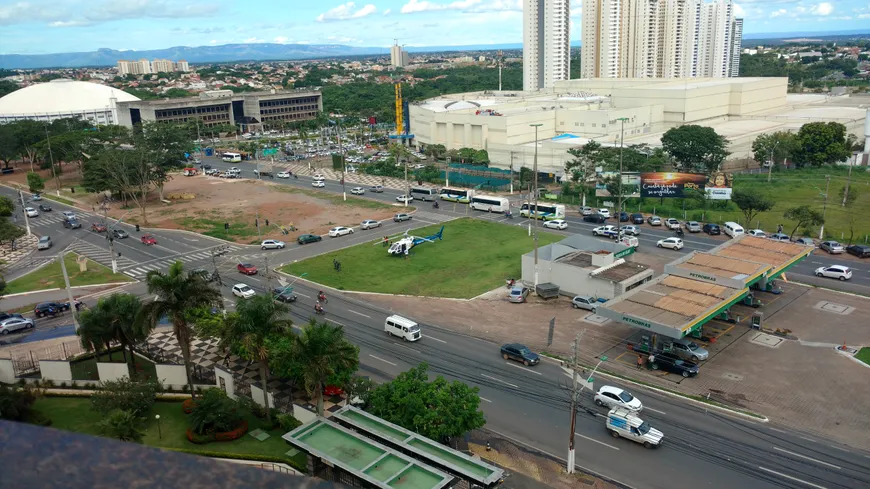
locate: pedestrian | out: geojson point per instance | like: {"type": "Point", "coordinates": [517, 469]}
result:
{"type": "Point", "coordinates": [267, 223]}
{"type": "Point", "coordinates": [339, 267]}
{"type": "Point", "coordinates": [639, 361]}
{"type": "Point", "coordinates": [651, 359]}
{"type": "Point", "coordinates": [779, 228]}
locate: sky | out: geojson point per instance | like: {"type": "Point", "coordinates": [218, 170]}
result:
{"type": "Point", "coordinates": [52, 26]}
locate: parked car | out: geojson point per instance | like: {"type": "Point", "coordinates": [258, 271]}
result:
{"type": "Point", "coordinates": [672, 223]}
{"type": "Point", "coordinates": [689, 350]}
{"type": "Point", "coordinates": [758, 233]}
{"type": "Point", "coordinates": [693, 226]}
{"type": "Point", "coordinates": [378, 189]}
{"type": "Point", "coordinates": [44, 207]}
{"type": "Point", "coordinates": [861, 251]}
{"type": "Point", "coordinates": [611, 397]}
{"type": "Point", "coordinates": [148, 240]}
{"type": "Point", "coordinates": [271, 244]}
{"type": "Point", "coordinates": [519, 353]}
{"type": "Point", "coordinates": [49, 309]}
{"type": "Point", "coordinates": [670, 243]}
{"type": "Point", "coordinates": [587, 211]}
{"type": "Point", "coordinates": [609, 231]}
{"type": "Point", "coordinates": [518, 293]}
{"type": "Point", "coordinates": [31, 212]}
{"type": "Point", "coordinates": [370, 224]}
{"type": "Point", "coordinates": [780, 237]}
{"type": "Point", "coordinates": [630, 230]}
{"type": "Point", "coordinates": [246, 268]}
{"type": "Point", "coordinates": [98, 227]}
{"type": "Point", "coordinates": [119, 234]}
{"type": "Point", "coordinates": [805, 241]}
{"type": "Point", "coordinates": [44, 243]}
{"type": "Point", "coordinates": [6, 315]}
{"type": "Point", "coordinates": [712, 229]}
{"type": "Point", "coordinates": [636, 218]}
{"type": "Point", "coordinates": [357, 191]}
{"type": "Point", "coordinates": [308, 238]}
{"type": "Point", "coordinates": [604, 212]}
{"type": "Point", "coordinates": [318, 184]}
{"type": "Point", "coordinates": [832, 247]}
{"type": "Point", "coordinates": [595, 218]}
{"type": "Point", "coordinates": [654, 220]}
{"type": "Point", "coordinates": [243, 291]}
{"type": "Point", "coordinates": [840, 272]}
{"type": "Point", "coordinates": [404, 199]}
{"type": "Point", "coordinates": [556, 224]}
{"type": "Point", "coordinates": [401, 217]}
{"type": "Point", "coordinates": [71, 223]}
{"type": "Point", "coordinates": [14, 324]}
{"type": "Point", "coordinates": [584, 302]}
{"type": "Point", "coordinates": [674, 364]}
{"type": "Point", "coordinates": [340, 231]}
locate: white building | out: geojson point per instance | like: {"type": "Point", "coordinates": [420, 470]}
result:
{"type": "Point", "coordinates": [736, 46]}
{"type": "Point", "coordinates": [145, 67]}
{"type": "Point", "coordinates": [546, 43]}
{"type": "Point", "coordinates": [398, 56]}
{"type": "Point", "coordinates": [182, 66]}
{"type": "Point", "coordinates": [64, 98]}
{"type": "Point", "coordinates": [162, 66]}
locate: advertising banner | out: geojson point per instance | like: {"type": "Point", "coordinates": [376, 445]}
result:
{"type": "Point", "coordinates": [718, 187]}
{"type": "Point", "coordinates": [670, 185]}
{"type": "Point", "coordinates": [630, 183]}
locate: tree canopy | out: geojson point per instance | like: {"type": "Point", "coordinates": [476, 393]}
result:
{"type": "Point", "coordinates": [805, 217]}
{"type": "Point", "coordinates": [696, 148]}
{"type": "Point", "coordinates": [751, 203]}
{"type": "Point", "coordinates": [776, 147]}
{"type": "Point", "coordinates": [821, 143]}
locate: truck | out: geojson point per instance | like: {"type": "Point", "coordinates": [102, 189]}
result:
{"type": "Point", "coordinates": [610, 231]}
{"type": "Point", "coordinates": [624, 423]}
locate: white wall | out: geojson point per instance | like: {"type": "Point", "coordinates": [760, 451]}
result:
{"type": "Point", "coordinates": [112, 371]}
{"type": "Point", "coordinates": [55, 370]}
{"type": "Point", "coordinates": [171, 375]}
{"type": "Point", "coordinates": [228, 385]}
{"type": "Point", "coordinates": [257, 396]}
{"type": "Point", "coordinates": [7, 372]}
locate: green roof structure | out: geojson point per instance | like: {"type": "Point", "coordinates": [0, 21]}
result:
{"type": "Point", "coordinates": [422, 448]}
{"type": "Point", "coordinates": [364, 459]}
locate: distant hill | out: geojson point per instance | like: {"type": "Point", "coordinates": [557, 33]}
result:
{"type": "Point", "coordinates": [776, 38]}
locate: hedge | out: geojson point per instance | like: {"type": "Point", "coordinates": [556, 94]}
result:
{"type": "Point", "coordinates": [224, 436]}
{"type": "Point", "coordinates": [241, 456]}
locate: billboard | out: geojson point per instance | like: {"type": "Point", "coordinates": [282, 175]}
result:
{"type": "Point", "coordinates": [630, 183]}
{"type": "Point", "coordinates": [670, 185]}
{"type": "Point", "coordinates": [718, 186]}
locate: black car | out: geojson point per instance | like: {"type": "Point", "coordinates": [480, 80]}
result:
{"type": "Point", "coordinates": [308, 238]}
{"type": "Point", "coordinates": [712, 229]}
{"type": "Point", "coordinates": [519, 353]}
{"type": "Point", "coordinates": [861, 251]}
{"type": "Point", "coordinates": [595, 218]}
{"type": "Point", "coordinates": [281, 294]}
{"type": "Point", "coordinates": [6, 315]}
{"type": "Point", "coordinates": [49, 309]}
{"type": "Point", "coordinates": [119, 234]}
{"type": "Point", "coordinates": [637, 218]}
{"type": "Point", "coordinates": [44, 207]}
{"type": "Point", "coordinates": [674, 364]}
{"type": "Point", "coordinates": [71, 223]}
{"type": "Point", "coordinates": [623, 217]}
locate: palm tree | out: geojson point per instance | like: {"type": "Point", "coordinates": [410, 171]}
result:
{"type": "Point", "coordinates": [113, 319]}
{"type": "Point", "coordinates": [177, 292]}
{"type": "Point", "coordinates": [320, 351]}
{"type": "Point", "coordinates": [256, 321]}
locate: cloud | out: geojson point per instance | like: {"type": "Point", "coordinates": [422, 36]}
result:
{"type": "Point", "coordinates": [347, 11]}
{"type": "Point", "coordinates": [497, 6]}
{"type": "Point", "coordinates": [823, 8]}
{"type": "Point", "coordinates": [414, 6]}
{"type": "Point", "coordinates": [779, 13]}
{"type": "Point", "coordinates": [281, 39]}
{"type": "Point", "coordinates": [738, 11]}
{"type": "Point", "coordinates": [387, 12]}
{"type": "Point", "coordinates": [69, 23]}
{"type": "Point", "coordinates": [252, 40]}
{"type": "Point", "coordinates": [71, 13]}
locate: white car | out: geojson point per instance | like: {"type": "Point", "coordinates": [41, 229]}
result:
{"type": "Point", "coordinates": [318, 184]}
{"type": "Point", "coordinates": [631, 230]}
{"type": "Point", "coordinates": [672, 223]}
{"type": "Point", "coordinates": [370, 224]}
{"type": "Point", "coordinates": [271, 244]}
{"type": "Point", "coordinates": [604, 212]}
{"type": "Point", "coordinates": [672, 243]}
{"type": "Point", "coordinates": [757, 233]}
{"type": "Point", "coordinates": [340, 231]}
{"type": "Point", "coordinates": [357, 190]}
{"type": "Point", "coordinates": [31, 212]}
{"type": "Point", "coordinates": [556, 224]}
{"type": "Point", "coordinates": [835, 271]}
{"type": "Point", "coordinates": [283, 174]}
{"type": "Point", "coordinates": [318, 177]}
{"type": "Point", "coordinates": [615, 397]}
{"type": "Point", "coordinates": [404, 198]}
{"type": "Point", "coordinates": [243, 291]}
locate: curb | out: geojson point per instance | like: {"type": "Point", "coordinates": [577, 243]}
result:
{"type": "Point", "coordinates": [21, 294]}
{"type": "Point", "coordinates": [659, 390]}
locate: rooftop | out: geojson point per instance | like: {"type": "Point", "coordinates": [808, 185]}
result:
{"type": "Point", "coordinates": [722, 266]}
{"type": "Point", "coordinates": [778, 254]}
{"type": "Point", "coordinates": [622, 271]}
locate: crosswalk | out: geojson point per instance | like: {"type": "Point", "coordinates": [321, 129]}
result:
{"type": "Point", "coordinates": [99, 255]}
{"type": "Point", "coordinates": [52, 218]}
{"type": "Point", "coordinates": [139, 270]}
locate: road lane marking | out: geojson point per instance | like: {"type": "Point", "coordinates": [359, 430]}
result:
{"type": "Point", "coordinates": [596, 441]}
{"type": "Point", "coordinates": [408, 347]}
{"type": "Point", "coordinates": [839, 448]}
{"type": "Point", "coordinates": [808, 439]}
{"type": "Point", "coordinates": [499, 380]}
{"type": "Point", "coordinates": [303, 295]}
{"type": "Point", "coordinates": [791, 478]}
{"type": "Point", "coordinates": [523, 368]}
{"type": "Point", "coordinates": [381, 359]}
{"type": "Point", "coordinates": [434, 338]}
{"type": "Point", "coordinates": [777, 430]}
{"type": "Point", "coordinates": [359, 313]}
{"type": "Point", "coordinates": [654, 410]}
{"type": "Point", "coordinates": [484, 399]}
{"type": "Point", "coordinates": [807, 458]}
{"type": "Point", "coordinates": [336, 322]}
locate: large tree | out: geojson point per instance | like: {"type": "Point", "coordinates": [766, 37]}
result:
{"type": "Point", "coordinates": [7, 206]}
{"type": "Point", "coordinates": [436, 409]}
{"type": "Point", "coordinates": [776, 147]}
{"type": "Point", "coordinates": [165, 146]}
{"type": "Point", "coordinates": [128, 172]}
{"type": "Point", "coordinates": [10, 145]}
{"type": "Point", "coordinates": [113, 319]}
{"type": "Point", "coordinates": [248, 331]}
{"type": "Point", "coordinates": [804, 217]}
{"type": "Point", "coordinates": [696, 148]}
{"type": "Point", "coordinates": [821, 143]}
{"type": "Point", "coordinates": [751, 203]}
{"type": "Point", "coordinates": [177, 293]}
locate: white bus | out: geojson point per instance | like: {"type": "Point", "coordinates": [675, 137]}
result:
{"type": "Point", "coordinates": [423, 193]}
{"type": "Point", "coordinates": [546, 211]}
{"type": "Point", "coordinates": [231, 157]}
{"type": "Point", "coordinates": [489, 203]}
{"type": "Point", "coordinates": [460, 195]}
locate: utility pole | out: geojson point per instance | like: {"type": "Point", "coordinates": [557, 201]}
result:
{"type": "Point", "coordinates": [621, 192]}
{"type": "Point", "coordinates": [257, 222]}
{"type": "Point", "coordinates": [500, 57]}
{"type": "Point", "coordinates": [825, 208]}
{"type": "Point", "coordinates": [51, 158]}
{"type": "Point", "coordinates": [343, 164]}
{"type": "Point", "coordinates": [512, 169]}
{"type": "Point", "coordinates": [268, 275]}
{"type": "Point", "coordinates": [772, 162]}
{"type": "Point", "coordinates": [72, 304]}
{"type": "Point", "coordinates": [536, 126]}
{"type": "Point", "coordinates": [407, 184]}
{"type": "Point", "coordinates": [575, 397]}
{"type": "Point", "coordinates": [26, 218]}
{"type": "Point", "coordinates": [848, 182]}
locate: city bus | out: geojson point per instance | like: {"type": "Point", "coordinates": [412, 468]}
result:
{"type": "Point", "coordinates": [231, 157]}
{"type": "Point", "coordinates": [423, 193]}
{"type": "Point", "coordinates": [546, 211]}
{"type": "Point", "coordinates": [460, 195]}
{"type": "Point", "coordinates": [489, 203]}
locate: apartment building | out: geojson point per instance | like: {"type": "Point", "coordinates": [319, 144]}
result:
{"type": "Point", "coordinates": [546, 43]}
{"type": "Point", "coordinates": [145, 67]}
{"type": "Point", "coordinates": [398, 56]}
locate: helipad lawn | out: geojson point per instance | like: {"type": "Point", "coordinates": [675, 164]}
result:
{"type": "Point", "coordinates": [475, 256]}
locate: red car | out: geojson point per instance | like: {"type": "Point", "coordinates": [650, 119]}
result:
{"type": "Point", "coordinates": [98, 227]}
{"type": "Point", "coordinates": [246, 268]}
{"type": "Point", "coordinates": [149, 240]}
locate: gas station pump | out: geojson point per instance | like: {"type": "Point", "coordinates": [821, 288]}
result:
{"type": "Point", "coordinates": [757, 318]}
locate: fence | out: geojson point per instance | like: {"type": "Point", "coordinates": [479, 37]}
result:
{"type": "Point", "coordinates": [27, 362]}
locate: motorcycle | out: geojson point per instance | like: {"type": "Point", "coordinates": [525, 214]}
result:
{"type": "Point", "coordinates": [508, 215]}
{"type": "Point", "coordinates": [323, 299]}
{"type": "Point", "coordinates": [435, 205]}
{"type": "Point", "coordinates": [678, 233]}
{"type": "Point", "coordinates": [319, 311]}
{"type": "Point", "coordinates": [510, 283]}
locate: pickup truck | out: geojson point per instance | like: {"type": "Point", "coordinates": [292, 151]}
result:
{"type": "Point", "coordinates": [610, 231]}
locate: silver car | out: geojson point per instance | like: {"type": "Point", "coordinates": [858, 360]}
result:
{"type": "Point", "coordinates": [693, 227]}
{"type": "Point", "coordinates": [14, 324]}
{"type": "Point", "coordinates": [369, 224]}
{"type": "Point", "coordinates": [689, 350]}
{"type": "Point", "coordinates": [832, 247]}
{"type": "Point", "coordinates": [584, 302]}
{"type": "Point", "coordinates": [44, 243]}
{"type": "Point", "coordinates": [519, 293]}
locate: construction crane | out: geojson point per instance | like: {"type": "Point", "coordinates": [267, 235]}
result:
{"type": "Point", "coordinates": [400, 111]}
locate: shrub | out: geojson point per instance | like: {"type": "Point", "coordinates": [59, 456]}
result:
{"type": "Point", "coordinates": [288, 422]}
{"type": "Point", "coordinates": [121, 425]}
{"type": "Point", "coordinates": [214, 412]}
{"type": "Point", "coordinates": [16, 403]}
{"type": "Point", "coordinates": [249, 405]}
{"type": "Point", "coordinates": [188, 406]}
{"type": "Point", "coordinates": [125, 395]}
{"type": "Point", "coordinates": [231, 435]}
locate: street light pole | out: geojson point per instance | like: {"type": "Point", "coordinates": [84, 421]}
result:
{"type": "Point", "coordinates": [621, 190]}
{"type": "Point", "coordinates": [770, 167]}
{"type": "Point", "coordinates": [26, 217]}
{"type": "Point", "coordinates": [825, 208]}
{"type": "Point", "coordinates": [536, 126]}
{"type": "Point", "coordinates": [72, 304]}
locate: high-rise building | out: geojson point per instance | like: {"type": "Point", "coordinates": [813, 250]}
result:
{"type": "Point", "coordinates": [144, 67]}
{"type": "Point", "coordinates": [546, 43]}
{"type": "Point", "coordinates": [161, 66]}
{"type": "Point", "coordinates": [398, 56]}
{"type": "Point", "coordinates": [660, 39]}
{"type": "Point", "coordinates": [182, 66]}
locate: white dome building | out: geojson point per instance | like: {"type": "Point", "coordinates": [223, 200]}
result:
{"type": "Point", "coordinates": [64, 98]}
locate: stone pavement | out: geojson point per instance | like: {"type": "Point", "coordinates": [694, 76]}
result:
{"type": "Point", "coordinates": [24, 246]}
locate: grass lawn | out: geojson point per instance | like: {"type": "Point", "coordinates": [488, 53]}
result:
{"type": "Point", "coordinates": [51, 276]}
{"type": "Point", "coordinates": [75, 414]}
{"type": "Point", "coordinates": [86, 369]}
{"type": "Point", "coordinates": [475, 256]}
{"type": "Point", "coordinates": [864, 355]}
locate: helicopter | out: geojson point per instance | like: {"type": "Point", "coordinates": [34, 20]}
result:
{"type": "Point", "coordinates": [403, 246]}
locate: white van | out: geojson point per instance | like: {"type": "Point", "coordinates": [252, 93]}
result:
{"type": "Point", "coordinates": [318, 177]}
{"type": "Point", "coordinates": [621, 422]}
{"type": "Point", "coordinates": [405, 328]}
{"type": "Point", "coordinates": [733, 229]}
